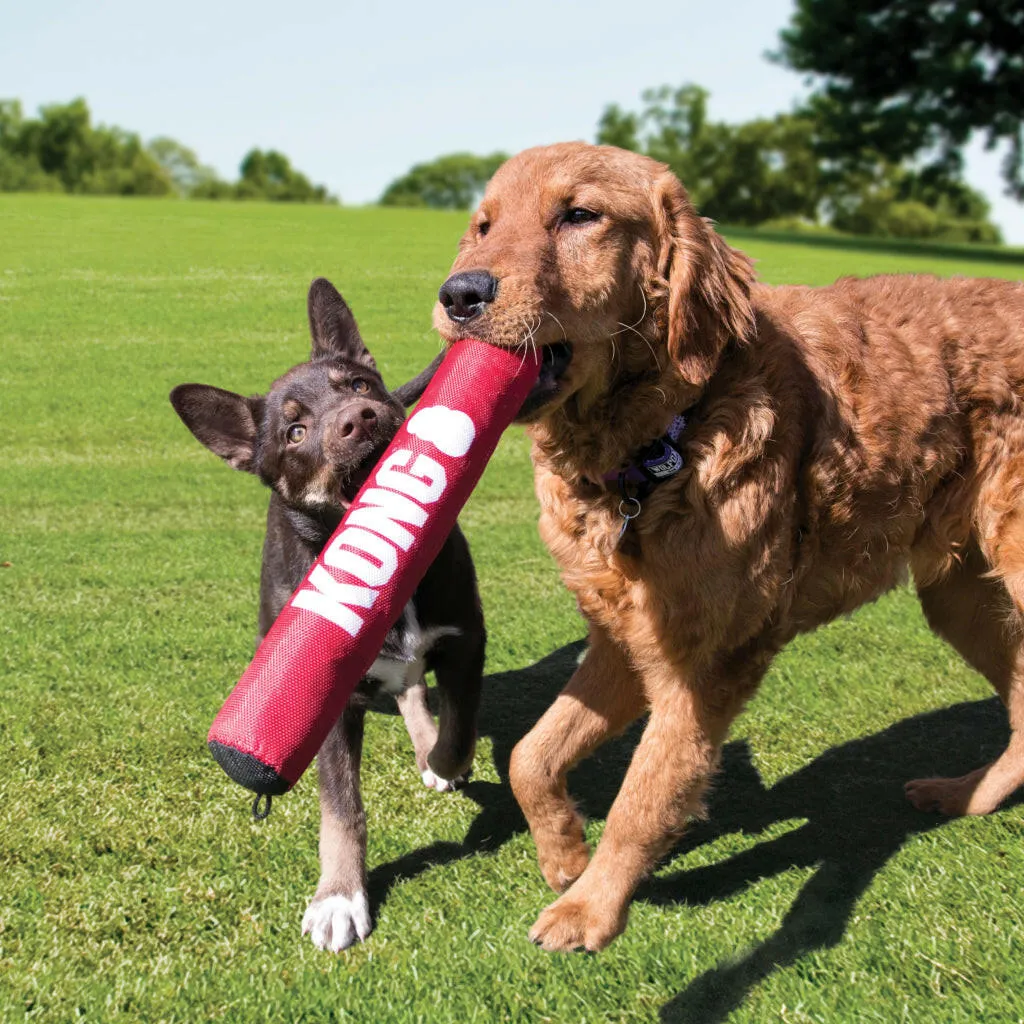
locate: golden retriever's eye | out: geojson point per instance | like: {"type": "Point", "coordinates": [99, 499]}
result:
{"type": "Point", "coordinates": [296, 432]}
{"type": "Point", "coordinates": [580, 215]}
{"type": "Point", "coordinates": [359, 386]}
{"type": "Point", "coordinates": [483, 227]}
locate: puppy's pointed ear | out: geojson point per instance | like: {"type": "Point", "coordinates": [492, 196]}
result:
{"type": "Point", "coordinates": [224, 422]}
{"type": "Point", "coordinates": [333, 326]}
{"type": "Point", "coordinates": [708, 284]}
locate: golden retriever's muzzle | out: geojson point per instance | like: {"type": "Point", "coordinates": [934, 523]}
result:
{"type": "Point", "coordinates": [466, 296]}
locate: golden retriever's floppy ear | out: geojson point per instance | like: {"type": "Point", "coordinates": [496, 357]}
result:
{"type": "Point", "coordinates": [708, 284]}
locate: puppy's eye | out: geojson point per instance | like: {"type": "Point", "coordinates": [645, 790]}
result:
{"type": "Point", "coordinates": [580, 215]}
{"type": "Point", "coordinates": [296, 432]}
{"type": "Point", "coordinates": [483, 227]}
{"type": "Point", "coordinates": [359, 386]}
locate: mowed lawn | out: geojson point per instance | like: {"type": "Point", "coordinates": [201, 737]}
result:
{"type": "Point", "coordinates": [134, 885]}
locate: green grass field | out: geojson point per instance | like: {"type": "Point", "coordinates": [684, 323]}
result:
{"type": "Point", "coordinates": [134, 885]}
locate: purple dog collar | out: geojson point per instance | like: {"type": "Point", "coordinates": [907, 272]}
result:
{"type": "Point", "coordinates": [654, 463]}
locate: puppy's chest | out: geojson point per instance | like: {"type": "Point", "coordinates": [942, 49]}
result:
{"type": "Point", "coordinates": [402, 660]}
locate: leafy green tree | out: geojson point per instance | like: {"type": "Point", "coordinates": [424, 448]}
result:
{"type": "Point", "coordinates": [762, 170]}
{"type": "Point", "coordinates": [903, 203]}
{"type": "Point", "coordinates": [11, 120]}
{"type": "Point", "coordinates": [19, 172]}
{"type": "Point", "coordinates": [61, 149]}
{"type": "Point", "coordinates": [738, 174]}
{"type": "Point", "coordinates": [903, 78]}
{"type": "Point", "coordinates": [59, 140]}
{"type": "Point", "coordinates": [618, 127]}
{"type": "Point", "coordinates": [215, 188]}
{"type": "Point", "coordinates": [772, 170]}
{"type": "Point", "coordinates": [62, 146]}
{"type": "Point", "coordinates": [452, 182]}
{"type": "Point", "coordinates": [182, 166]}
{"type": "Point", "coordinates": [270, 175]}
{"type": "Point", "coordinates": [121, 165]}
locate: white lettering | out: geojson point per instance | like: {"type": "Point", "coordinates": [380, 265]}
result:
{"type": "Point", "coordinates": [330, 600]}
{"type": "Point", "coordinates": [379, 509]}
{"type": "Point", "coordinates": [424, 481]}
{"type": "Point", "coordinates": [366, 547]}
{"type": "Point", "coordinates": [373, 575]}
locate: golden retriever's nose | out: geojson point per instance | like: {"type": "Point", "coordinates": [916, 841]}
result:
{"type": "Point", "coordinates": [464, 295]}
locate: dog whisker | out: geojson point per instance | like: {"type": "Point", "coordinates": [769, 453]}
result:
{"type": "Point", "coordinates": [636, 323]}
{"type": "Point", "coordinates": [524, 342]}
{"type": "Point", "coordinates": [533, 337]}
{"type": "Point", "coordinates": [559, 322]}
{"type": "Point", "coordinates": [632, 328]}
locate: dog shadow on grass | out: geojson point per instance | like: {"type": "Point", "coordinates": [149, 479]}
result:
{"type": "Point", "coordinates": [856, 819]}
{"type": "Point", "coordinates": [850, 799]}
{"type": "Point", "coordinates": [512, 703]}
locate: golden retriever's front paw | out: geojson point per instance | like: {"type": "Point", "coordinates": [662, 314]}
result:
{"type": "Point", "coordinates": [573, 922]}
{"type": "Point", "coordinates": [562, 863]}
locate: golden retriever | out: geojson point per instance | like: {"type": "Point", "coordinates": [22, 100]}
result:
{"type": "Point", "coordinates": [834, 438]}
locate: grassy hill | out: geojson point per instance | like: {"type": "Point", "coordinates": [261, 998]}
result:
{"type": "Point", "coordinates": [133, 884]}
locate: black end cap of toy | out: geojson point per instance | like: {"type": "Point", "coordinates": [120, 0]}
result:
{"type": "Point", "coordinates": [248, 771]}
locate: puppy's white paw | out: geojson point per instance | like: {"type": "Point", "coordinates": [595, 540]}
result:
{"type": "Point", "coordinates": [337, 922]}
{"type": "Point", "coordinates": [432, 781]}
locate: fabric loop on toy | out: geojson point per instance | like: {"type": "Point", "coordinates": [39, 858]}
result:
{"type": "Point", "coordinates": [257, 814]}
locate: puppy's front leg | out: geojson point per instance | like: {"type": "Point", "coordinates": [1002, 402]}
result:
{"type": "Point", "coordinates": [419, 723]}
{"type": "Point", "coordinates": [601, 699]}
{"type": "Point", "coordinates": [339, 913]}
{"type": "Point", "coordinates": [663, 786]}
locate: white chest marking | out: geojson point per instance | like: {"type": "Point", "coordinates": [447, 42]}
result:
{"type": "Point", "coordinates": [397, 673]}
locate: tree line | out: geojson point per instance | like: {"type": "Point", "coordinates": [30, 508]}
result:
{"type": "Point", "coordinates": [768, 173]}
{"type": "Point", "coordinates": [61, 150]}
{"type": "Point", "coordinates": [899, 86]}
{"type": "Point", "coordinates": [771, 172]}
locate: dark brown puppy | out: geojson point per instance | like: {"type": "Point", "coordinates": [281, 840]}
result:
{"type": "Point", "coordinates": [313, 440]}
{"type": "Point", "coordinates": [835, 438]}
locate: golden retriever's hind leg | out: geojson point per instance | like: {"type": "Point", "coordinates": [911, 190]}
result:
{"type": "Point", "coordinates": [601, 699]}
{"type": "Point", "coordinates": [977, 792]}
{"type": "Point", "coordinates": [980, 612]}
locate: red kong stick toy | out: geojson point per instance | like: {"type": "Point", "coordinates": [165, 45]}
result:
{"type": "Point", "coordinates": [282, 709]}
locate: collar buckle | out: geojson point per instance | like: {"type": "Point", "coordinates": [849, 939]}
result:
{"type": "Point", "coordinates": [660, 460]}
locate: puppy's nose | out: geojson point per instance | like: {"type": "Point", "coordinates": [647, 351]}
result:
{"type": "Point", "coordinates": [354, 424]}
{"type": "Point", "coordinates": [465, 295]}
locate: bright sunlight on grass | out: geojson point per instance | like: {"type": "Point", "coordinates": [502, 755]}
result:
{"type": "Point", "coordinates": [135, 886]}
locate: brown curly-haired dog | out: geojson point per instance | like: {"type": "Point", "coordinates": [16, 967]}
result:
{"type": "Point", "coordinates": [836, 437]}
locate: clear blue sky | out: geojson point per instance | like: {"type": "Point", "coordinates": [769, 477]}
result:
{"type": "Point", "coordinates": [357, 93]}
